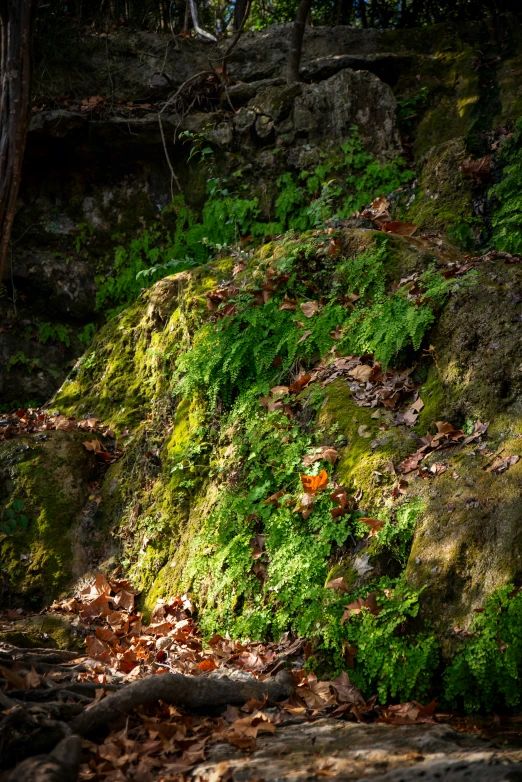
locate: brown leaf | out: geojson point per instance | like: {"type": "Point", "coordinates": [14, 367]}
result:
{"type": "Point", "coordinates": [501, 464]}
{"type": "Point", "coordinates": [361, 373]}
{"type": "Point", "coordinates": [334, 248]}
{"type": "Point", "coordinates": [17, 681]}
{"type": "Point", "coordinates": [207, 665]}
{"type": "Point", "coordinates": [309, 308]}
{"type": "Point", "coordinates": [303, 336]}
{"type": "Point", "coordinates": [279, 391]}
{"type": "Point", "coordinates": [399, 228]}
{"type": "Point", "coordinates": [274, 498]}
{"type": "Point", "coordinates": [94, 446]}
{"type": "Point", "coordinates": [288, 304]}
{"type": "Point", "coordinates": [346, 691]}
{"type": "Point", "coordinates": [328, 454]}
{"type": "Point", "coordinates": [337, 332]}
{"type": "Point", "coordinates": [338, 585]}
{"type": "Point", "coordinates": [97, 649]}
{"type": "Point", "coordinates": [124, 600]}
{"type": "Point", "coordinates": [299, 384]}
{"type": "Point", "coordinates": [374, 524]}
{"type": "Point", "coordinates": [306, 505]}
{"type": "Point", "coordinates": [339, 496]}
{"type": "Point", "coordinates": [476, 169]}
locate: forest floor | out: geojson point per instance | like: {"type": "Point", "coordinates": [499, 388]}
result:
{"type": "Point", "coordinates": [226, 710]}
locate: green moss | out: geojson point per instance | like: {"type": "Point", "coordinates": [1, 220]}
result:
{"type": "Point", "coordinates": [433, 395]}
{"type": "Point", "coordinates": [130, 360]}
{"type": "Point", "coordinates": [363, 462]}
{"type": "Point", "coordinates": [443, 198]}
{"type": "Point", "coordinates": [43, 631]}
{"type": "Point", "coordinates": [50, 477]}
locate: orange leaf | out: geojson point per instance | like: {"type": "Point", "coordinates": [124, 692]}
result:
{"type": "Point", "coordinates": [314, 483]}
{"type": "Point", "coordinates": [207, 665]}
{"type": "Point", "coordinates": [300, 383]}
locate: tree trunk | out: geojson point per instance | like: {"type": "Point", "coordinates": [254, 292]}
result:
{"type": "Point", "coordinates": [362, 13]}
{"type": "Point", "coordinates": [296, 41]}
{"type": "Point", "coordinates": [239, 14]}
{"type": "Point", "coordinates": [16, 31]}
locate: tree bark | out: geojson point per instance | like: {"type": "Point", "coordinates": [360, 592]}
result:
{"type": "Point", "coordinates": [239, 14]}
{"type": "Point", "coordinates": [296, 41]}
{"type": "Point", "coordinates": [16, 31]}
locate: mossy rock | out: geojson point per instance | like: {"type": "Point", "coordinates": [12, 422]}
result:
{"type": "Point", "coordinates": [129, 364]}
{"type": "Point", "coordinates": [364, 463]}
{"type": "Point", "coordinates": [443, 199]}
{"type": "Point", "coordinates": [49, 631]}
{"type": "Point", "coordinates": [50, 474]}
{"type": "Point", "coordinates": [478, 351]}
{"type": "Point", "coordinates": [468, 541]}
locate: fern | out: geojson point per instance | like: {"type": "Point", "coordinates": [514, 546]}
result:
{"type": "Point", "coordinates": [507, 197]}
{"type": "Point", "coordinates": [486, 673]}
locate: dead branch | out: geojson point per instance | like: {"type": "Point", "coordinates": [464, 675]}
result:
{"type": "Point", "coordinates": [191, 692]}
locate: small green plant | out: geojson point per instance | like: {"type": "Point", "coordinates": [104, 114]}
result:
{"type": "Point", "coordinates": [84, 231]}
{"type": "Point", "coordinates": [409, 108]}
{"type": "Point", "coordinates": [20, 359]}
{"type": "Point", "coordinates": [397, 534]}
{"type": "Point", "coordinates": [392, 660]}
{"type": "Point", "coordinates": [506, 196]}
{"type": "Point", "coordinates": [486, 673]}
{"type": "Point", "coordinates": [86, 335]}
{"type": "Point", "coordinates": [13, 518]}
{"type": "Point", "coordinates": [238, 353]}
{"type": "Point", "coordinates": [56, 332]}
{"type": "Point", "coordinates": [169, 267]}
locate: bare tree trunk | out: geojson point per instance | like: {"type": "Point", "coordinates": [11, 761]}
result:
{"type": "Point", "coordinates": [362, 13]}
{"type": "Point", "coordinates": [186, 20]}
{"type": "Point", "coordinates": [296, 41]}
{"type": "Point", "coordinates": [239, 14]}
{"type": "Point", "coordinates": [16, 31]}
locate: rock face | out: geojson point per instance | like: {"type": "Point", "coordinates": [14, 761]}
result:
{"type": "Point", "coordinates": [461, 521]}
{"type": "Point", "coordinates": [95, 171]}
{"type": "Point", "coordinates": [307, 119]}
{"type": "Point", "coordinates": [300, 753]}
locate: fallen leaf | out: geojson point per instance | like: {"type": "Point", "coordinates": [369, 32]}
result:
{"type": "Point", "coordinates": [361, 564]}
{"type": "Point", "coordinates": [374, 524]}
{"type": "Point", "coordinates": [299, 384]}
{"type": "Point", "coordinates": [362, 372]}
{"type": "Point", "coordinates": [338, 585]}
{"type": "Point", "coordinates": [476, 169]}
{"type": "Point", "coordinates": [399, 228]}
{"type": "Point", "coordinates": [207, 665]}
{"type": "Point", "coordinates": [314, 483]}
{"type": "Point", "coordinates": [309, 308]}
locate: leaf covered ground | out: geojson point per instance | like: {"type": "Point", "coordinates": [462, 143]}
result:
{"type": "Point", "coordinates": [162, 741]}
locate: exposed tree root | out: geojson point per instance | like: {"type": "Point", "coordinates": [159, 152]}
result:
{"type": "Point", "coordinates": [41, 725]}
{"type": "Point", "coordinates": [60, 765]}
{"type": "Point", "coordinates": [189, 691]}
